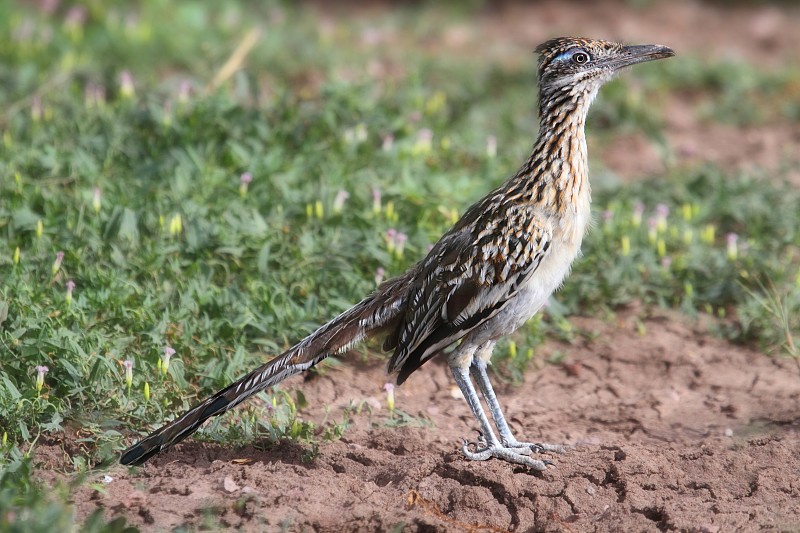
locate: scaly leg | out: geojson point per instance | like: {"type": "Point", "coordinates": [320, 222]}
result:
{"type": "Point", "coordinates": [478, 370]}
{"type": "Point", "coordinates": [490, 445]}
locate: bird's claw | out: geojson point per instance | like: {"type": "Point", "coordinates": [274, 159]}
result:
{"type": "Point", "coordinates": [518, 453]}
{"type": "Point", "coordinates": [536, 447]}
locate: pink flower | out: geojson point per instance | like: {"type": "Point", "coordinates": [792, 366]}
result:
{"type": "Point", "coordinates": [380, 273]}
{"type": "Point", "coordinates": [400, 242]}
{"type": "Point", "coordinates": [638, 211]}
{"type": "Point", "coordinates": [662, 212]}
{"type": "Point", "coordinates": [127, 364]}
{"type": "Point", "coordinates": [126, 88]}
{"type": "Point", "coordinates": [338, 202]}
{"type": "Point", "coordinates": [168, 353]}
{"type": "Point", "coordinates": [389, 388]}
{"type": "Point", "coordinates": [733, 251]}
{"type": "Point", "coordinates": [57, 263]}
{"type": "Point", "coordinates": [96, 199]}
{"type": "Point", "coordinates": [70, 288]}
{"type": "Point", "coordinates": [652, 228]}
{"type": "Point", "coordinates": [376, 200]}
{"type": "Point", "coordinates": [244, 182]}
{"type": "Point", "coordinates": [184, 91]}
{"type": "Point", "coordinates": [41, 370]}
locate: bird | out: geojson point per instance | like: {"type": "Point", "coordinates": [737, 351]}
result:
{"type": "Point", "coordinates": [487, 275]}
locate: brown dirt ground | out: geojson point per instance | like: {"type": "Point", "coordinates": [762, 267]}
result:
{"type": "Point", "coordinates": [671, 429]}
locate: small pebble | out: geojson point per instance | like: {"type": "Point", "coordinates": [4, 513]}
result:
{"type": "Point", "coordinates": [229, 484]}
{"type": "Point", "coordinates": [728, 432]}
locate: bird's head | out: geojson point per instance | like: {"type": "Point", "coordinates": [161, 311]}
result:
{"type": "Point", "coordinates": [574, 68]}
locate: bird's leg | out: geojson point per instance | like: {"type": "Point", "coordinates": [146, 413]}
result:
{"type": "Point", "coordinates": [489, 446]}
{"type": "Point", "coordinates": [478, 370]}
{"type": "Point", "coordinates": [461, 376]}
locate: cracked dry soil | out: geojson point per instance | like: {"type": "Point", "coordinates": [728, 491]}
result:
{"type": "Point", "coordinates": [672, 430]}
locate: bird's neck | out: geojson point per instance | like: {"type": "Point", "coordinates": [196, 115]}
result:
{"type": "Point", "coordinates": [556, 174]}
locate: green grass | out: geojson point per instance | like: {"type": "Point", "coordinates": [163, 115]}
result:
{"type": "Point", "coordinates": [142, 193]}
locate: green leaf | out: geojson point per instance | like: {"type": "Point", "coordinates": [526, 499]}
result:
{"type": "Point", "coordinates": [11, 389]}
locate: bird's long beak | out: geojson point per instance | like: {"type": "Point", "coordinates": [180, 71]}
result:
{"type": "Point", "coordinates": [640, 53]}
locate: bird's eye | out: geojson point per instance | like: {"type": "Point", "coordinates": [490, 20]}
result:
{"type": "Point", "coordinates": [581, 58]}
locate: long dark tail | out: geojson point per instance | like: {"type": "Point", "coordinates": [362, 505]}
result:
{"type": "Point", "coordinates": [378, 312]}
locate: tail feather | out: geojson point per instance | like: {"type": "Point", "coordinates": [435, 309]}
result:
{"type": "Point", "coordinates": [375, 313]}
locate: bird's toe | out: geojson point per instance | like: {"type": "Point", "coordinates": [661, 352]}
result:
{"type": "Point", "coordinates": [520, 455]}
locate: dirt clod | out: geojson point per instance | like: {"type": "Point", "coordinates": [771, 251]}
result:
{"type": "Point", "coordinates": [229, 485]}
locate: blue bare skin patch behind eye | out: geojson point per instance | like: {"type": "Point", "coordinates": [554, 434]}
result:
{"type": "Point", "coordinates": [566, 56]}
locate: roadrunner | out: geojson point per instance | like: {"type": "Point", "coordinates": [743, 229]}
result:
{"type": "Point", "coordinates": [485, 277]}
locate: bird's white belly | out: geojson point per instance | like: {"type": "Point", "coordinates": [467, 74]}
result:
{"type": "Point", "coordinates": [534, 295]}
{"type": "Point", "coordinates": [547, 278]}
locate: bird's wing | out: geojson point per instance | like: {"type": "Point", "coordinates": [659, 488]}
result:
{"type": "Point", "coordinates": [465, 280]}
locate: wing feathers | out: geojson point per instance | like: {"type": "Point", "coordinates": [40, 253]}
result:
{"type": "Point", "coordinates": [466, 280]}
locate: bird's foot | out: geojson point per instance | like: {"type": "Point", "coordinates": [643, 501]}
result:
{"type": "Point", "coordinates": [520, 455]}
{"type": "Point", "coordinates": [535, 447]}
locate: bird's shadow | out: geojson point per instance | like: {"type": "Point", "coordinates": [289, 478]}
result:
{"type": "Point", "coordinates": [203, 454]}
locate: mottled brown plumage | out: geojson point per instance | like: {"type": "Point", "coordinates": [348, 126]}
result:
{"type": "Point", "coordinates": [485, 277]}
